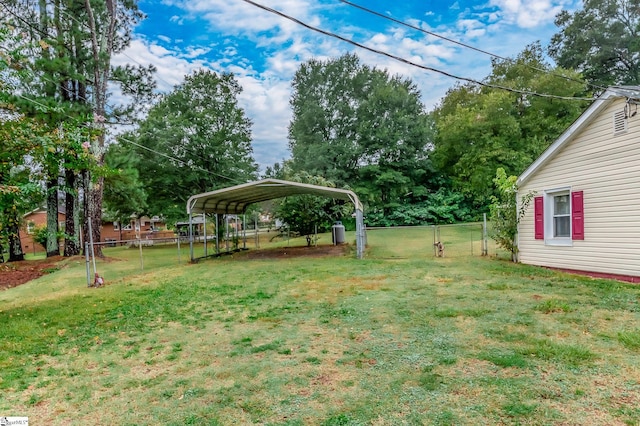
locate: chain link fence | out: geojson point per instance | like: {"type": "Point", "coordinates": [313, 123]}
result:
{"type": "Point", "coordinates": [458, 240]}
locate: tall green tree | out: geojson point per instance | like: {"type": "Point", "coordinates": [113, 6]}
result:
{"type": "Point", "coordinates": [481, 129]}
{"type": "Point", "coordinates": [13, 154]}
{"type": "Point", "coordinates": [70, 46]}
{"type": "Point", "coordinates": [124, 193]}
{"type": "Point", "coordinates": [601, 40]}
{"type": "Point", "coordinates": [306, 213]}
{"type": "Point", "coordinates": [358, 126]}
{"type": "Point", "coordinates": [195, 139]}
{"type": "Point", "coordinates": [18, 192]}
{"type": "Point", "coordinates": [323, 132]}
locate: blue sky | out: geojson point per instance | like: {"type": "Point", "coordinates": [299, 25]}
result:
{"type": "Point", "coordinates": [264, 50]}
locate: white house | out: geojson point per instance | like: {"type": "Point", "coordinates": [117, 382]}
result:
{"type": "Point", "coordinates": [586, 212]}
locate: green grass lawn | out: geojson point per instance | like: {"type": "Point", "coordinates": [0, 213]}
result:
{"type": "Point", "coordinates": [398, 338]}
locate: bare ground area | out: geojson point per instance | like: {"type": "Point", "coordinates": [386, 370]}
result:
{"type": "Point", "coordinates": [284, 252]}
{"type": "Point", "coordinates": [13, 274]}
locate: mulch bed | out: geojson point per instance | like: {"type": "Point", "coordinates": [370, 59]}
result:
{"type": "Point", "coordinates": [15, 273]}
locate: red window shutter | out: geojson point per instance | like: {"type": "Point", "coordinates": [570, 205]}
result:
{"type": "Point", "coordinates": [577, 216]}
{"type": "Point", "coordinates": [538, 213]}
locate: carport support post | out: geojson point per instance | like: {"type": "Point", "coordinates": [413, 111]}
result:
{"type": "Point", "coordinates": [191, 236]}
{"type": "Point", "coordinates": [235, 233]}
{"type": "Point", "coordinates": [226, 237]}
{"type": "Point", "coordinates": [217, 234]}
{"type": "Point", "coordinates": [204, 232]}
{"type": "Point", "coordinates": [244, 231]}
{"type": "Point", "coordinates": [360, 233]}
{"type": "Point", "coordinates": [255, 232]}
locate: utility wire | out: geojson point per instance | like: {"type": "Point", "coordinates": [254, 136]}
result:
{"type": "Point", "coordinates": [408, 62]}
{"type": "Point", "coordinates": [405, 60]}
{"type": "Point", "coordinates": [119, 137]}
{"type": "Point", "coordinates": [459, 43]}
{"type": "Point", "coordinates": [125, 139]}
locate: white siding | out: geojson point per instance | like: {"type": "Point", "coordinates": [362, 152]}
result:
{"type": "Point", "coordinates": [607, 169]}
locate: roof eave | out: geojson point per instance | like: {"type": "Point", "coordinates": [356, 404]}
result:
{"type": "Point", "coordinates": [585, 119]}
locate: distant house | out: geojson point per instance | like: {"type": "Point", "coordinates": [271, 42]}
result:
{"type": "Point", "coordinates": [143, 227]}
{"type": "Point", "coordinates": [136, 227]}
{"type": "Point", "coordinates": [585, 216]}
{"type": "Point", "coordinates": [32, 220]}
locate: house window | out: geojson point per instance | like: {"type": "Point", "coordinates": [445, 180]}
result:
{"type": "Point", "coordinates": [127, 227]}
{"type": "Point", "coordinates": [561, 216]}
{"type": "Point", "coordinates": [31, 226]}
{"type": "Point", "coordinates": [116, 226]}
{"type": "Point", "coordinates": [619, 122]}
{"type": "Point", "coordinates": [558, 217]}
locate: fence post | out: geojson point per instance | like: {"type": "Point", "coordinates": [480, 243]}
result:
{"type": "Point", "coordinates": [86, 256]}
{"type": "Point", "coordinates": [433, 228]}
{"type": "Point", "coordinates": [178, 241]}
{"type": "Point", "coordinates": [93, 253]}
{"type": "Point", "coordinates": [471, 238]}
{"type": "Point", "coordinates": [140, 245]}
{"type": "Point", "coordinates": [485, 241]}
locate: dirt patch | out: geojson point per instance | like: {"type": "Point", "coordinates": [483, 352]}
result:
{"type": "Point", "coordinates": [13, 274]}
{"type": "Point", "coordinates": [291, 252]}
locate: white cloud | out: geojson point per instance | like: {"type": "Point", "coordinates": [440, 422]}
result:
{"type": "Point", "coordinates": [471, 28]}
{"type": "Point", "coordinates": [264, 50]}
{"type": "Point", "coordinates": [191, 52]}
{"type": "Point", "coordinates": [176, 20]}
{"type": "Point", "coordinates": [266, 102]}
{"type": "Point", "coordinates": [529, 13]}
{"type": "Point", "coordinates": [264, 99]}
{"type": "Point", "coordinates": [235, 17]}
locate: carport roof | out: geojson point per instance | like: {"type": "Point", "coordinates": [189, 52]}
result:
{"type": "Point", "coordinates": [236, 199]}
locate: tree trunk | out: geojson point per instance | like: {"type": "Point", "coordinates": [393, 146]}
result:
{"type": "Point", "coordinates": [15, 248]}
{"type": "Point", "coordinates": [52, 248]}
{"type": "Point", "coordinates": [72, 238]}
{"type": "Point", "coordinates": [95, 207]}
{"type": "Point", "coordinates": [93, 212]}
{"type": "Point", "coordinates": [102, 51]}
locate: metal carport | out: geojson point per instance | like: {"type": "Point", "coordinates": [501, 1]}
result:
{"type": "Point", "coordinates": [236, 199]}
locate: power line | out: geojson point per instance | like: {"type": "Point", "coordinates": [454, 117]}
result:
{"type": "Point", "coordinates": [119, 137]}
{"type": "Point", "coordinates": [459, 43]}
{"type": "Point", "coordinates": [408, 62]}
{"type": "Point", "coordinates": [178, 160]}
{"type": "Point", "coordinates": [125, 139]}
